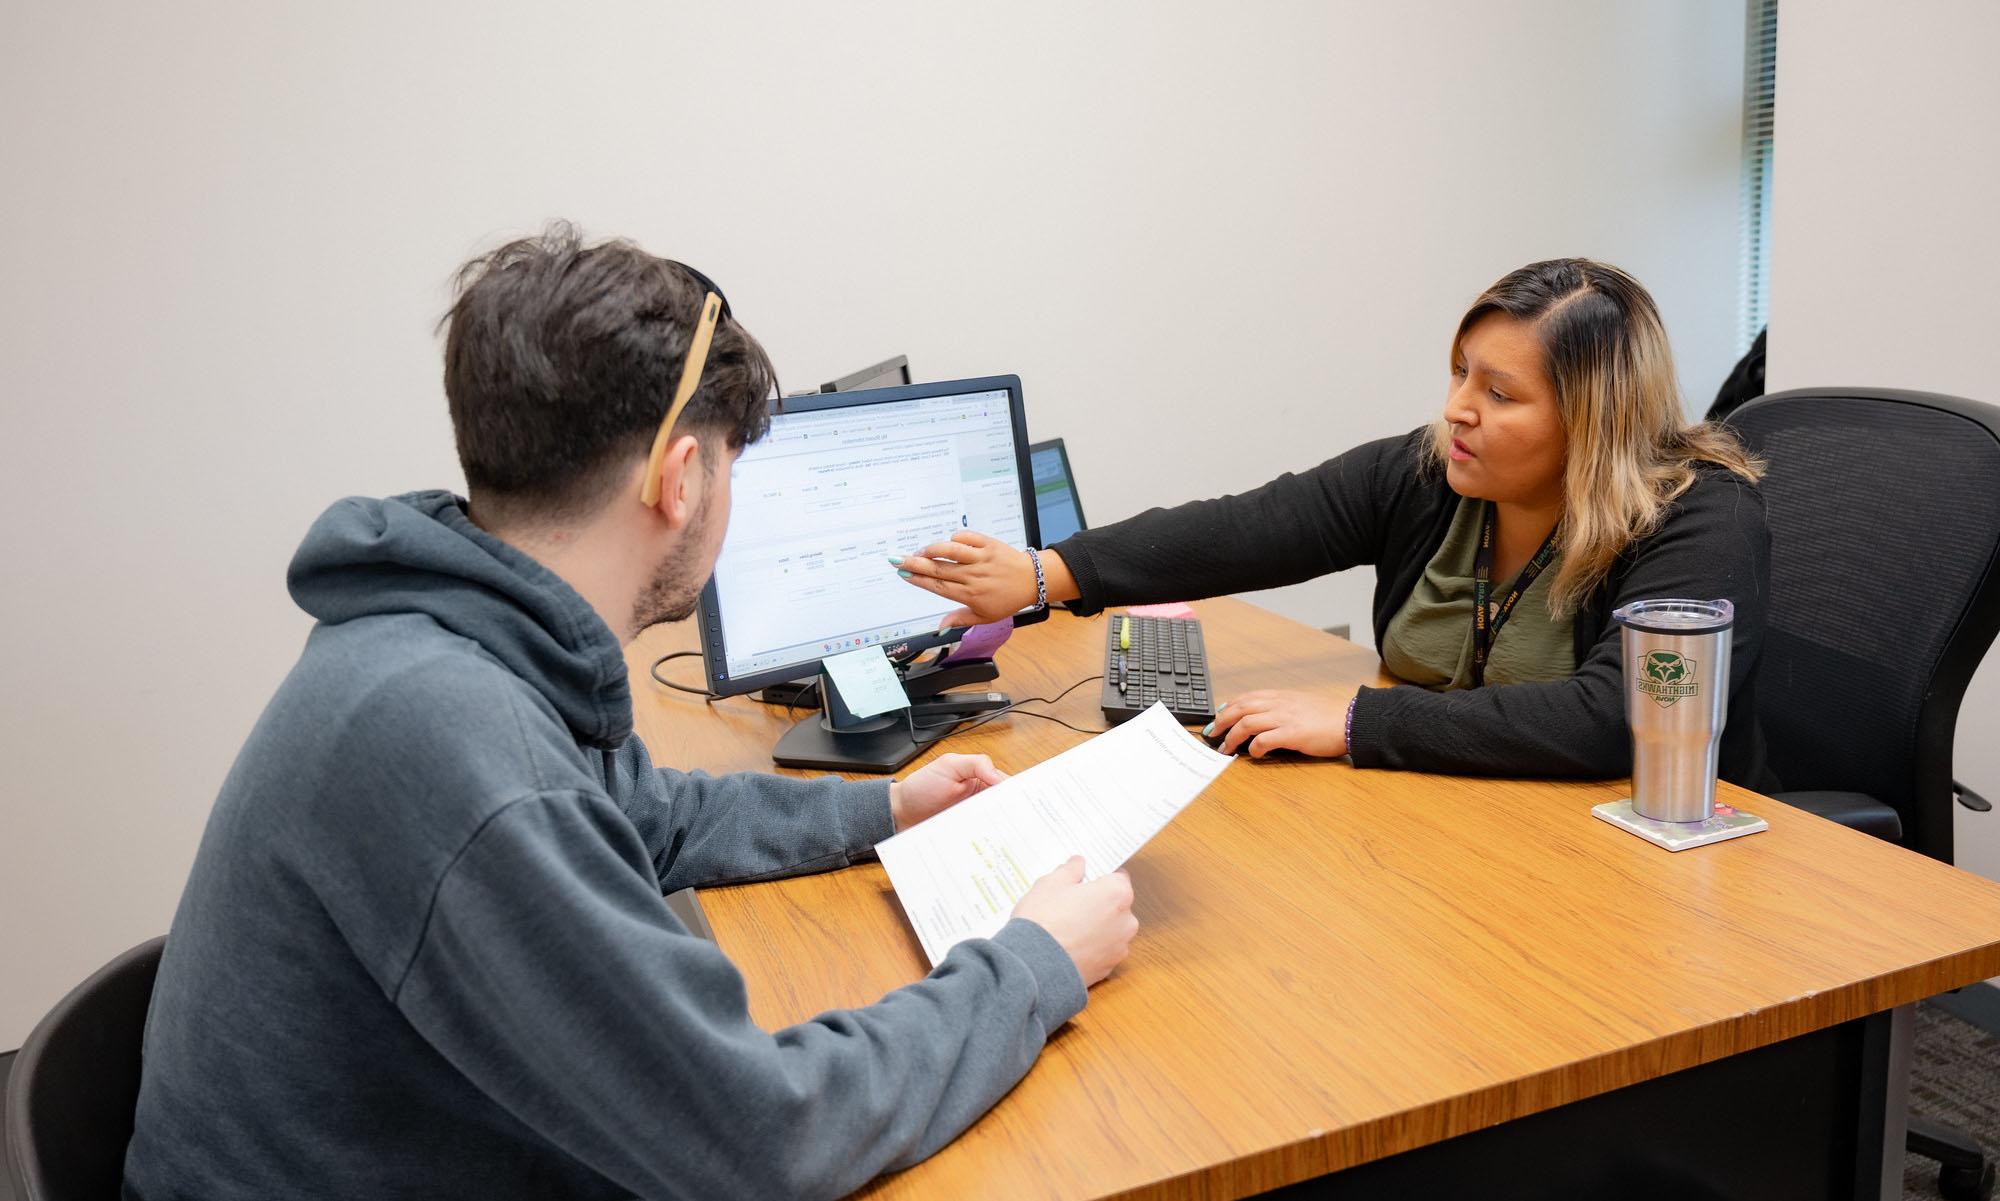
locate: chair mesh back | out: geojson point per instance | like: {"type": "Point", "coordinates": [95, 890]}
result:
{"type": "Point", "coordinates": [1884, 518]}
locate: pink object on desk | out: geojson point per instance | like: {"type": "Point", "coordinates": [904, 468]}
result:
{"type": "Point", "coordinates": [1170, 609]}
{"type": "Point", "coordinates": [980, 642]}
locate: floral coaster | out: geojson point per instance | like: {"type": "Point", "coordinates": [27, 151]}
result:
{"type": "Point", "coordinates": [1727, 823]}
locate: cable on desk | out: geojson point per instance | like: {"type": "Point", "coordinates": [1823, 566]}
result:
{"type": "Point", "coordinates": [949, 726]}
{"type": "Point", "coordinates": [791, 706]}
{"type": "Point", "coordinates": [1026, 700]}
{"type": "Point", "coordinates": [952, 726]}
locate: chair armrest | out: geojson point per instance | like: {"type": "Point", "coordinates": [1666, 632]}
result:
{"type": "Point", "coordinates": [1855, 810]}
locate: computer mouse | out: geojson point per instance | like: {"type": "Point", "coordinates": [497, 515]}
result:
{"type": "Point", "coordinates": [1215, 740]}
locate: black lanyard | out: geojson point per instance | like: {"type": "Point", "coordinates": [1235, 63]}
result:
{"type": "Point", "coordinates": [1486, 623]}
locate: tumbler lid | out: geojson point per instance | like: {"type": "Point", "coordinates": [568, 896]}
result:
{"type": "Point", "coordinates": [1677, 616]}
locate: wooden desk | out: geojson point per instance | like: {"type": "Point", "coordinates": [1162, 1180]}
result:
{"type": "Point", "coordinates": [1336, 966]}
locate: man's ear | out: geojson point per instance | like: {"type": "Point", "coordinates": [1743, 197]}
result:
{"type": "Point", "coordinates": [680, 481]}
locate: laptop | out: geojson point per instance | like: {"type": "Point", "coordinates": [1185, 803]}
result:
{"type": "Point", "coordinates": [1056, 501]}
{"type": "Point", "coordinates": [889, 373]}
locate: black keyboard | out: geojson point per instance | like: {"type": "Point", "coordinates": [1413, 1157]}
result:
{"type": "Point", "coordinates": [1149, 659]}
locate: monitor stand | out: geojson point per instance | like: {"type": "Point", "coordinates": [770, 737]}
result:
{"type": "Point", "coordinates": [919, 681]}
{"type": "Point", "coordinates": [835, 740]}
{"type": "Point", "coordinates": [882, 745]}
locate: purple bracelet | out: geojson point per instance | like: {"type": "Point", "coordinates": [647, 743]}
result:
{"type": "Point", "coordinates": [1350, 721]}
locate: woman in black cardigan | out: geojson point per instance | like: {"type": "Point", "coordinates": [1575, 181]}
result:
{"type": "Point", "coordinates": [1562, 465]}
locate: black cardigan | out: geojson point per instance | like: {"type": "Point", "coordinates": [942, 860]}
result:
{"type": "Point", "coordinates": [1374, 505]}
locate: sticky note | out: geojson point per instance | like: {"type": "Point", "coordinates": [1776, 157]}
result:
{"type": "Point", "coordinates": [1170, 609]}
{"type": "Point", "coordinates": [867, 684]}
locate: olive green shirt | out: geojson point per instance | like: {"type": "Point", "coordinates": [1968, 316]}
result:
{"type": "Point", "coordinates": [1429, 640]}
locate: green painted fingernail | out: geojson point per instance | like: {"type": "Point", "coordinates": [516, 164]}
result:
{"type": "Point", "coordinates": [1208, 729]}
{"type": "Point", "coordinates": [904, 574]}
{"type": "Point", "coordinates": [895, 559]}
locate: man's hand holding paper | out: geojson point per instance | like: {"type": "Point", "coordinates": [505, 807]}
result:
{"type": "Point", "coordinates": [961, 874]}
{"type": "Point", "coordinates": [938, 785]}
{"type": "Point", "coordinates": [1092, 921]}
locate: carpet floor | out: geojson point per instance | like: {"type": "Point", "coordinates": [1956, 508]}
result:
{"type": "Point", "coordinates": [1955, 1081]}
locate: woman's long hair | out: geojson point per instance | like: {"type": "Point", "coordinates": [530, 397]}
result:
{"type": "Point", "coordinates": [1630, 452]}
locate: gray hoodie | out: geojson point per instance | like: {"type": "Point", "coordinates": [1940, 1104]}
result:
{"type": "Point", "coordinates": [422, 951]}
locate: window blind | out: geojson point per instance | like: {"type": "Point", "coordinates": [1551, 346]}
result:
{"type": "Point", "coordinates": [1760, 75]}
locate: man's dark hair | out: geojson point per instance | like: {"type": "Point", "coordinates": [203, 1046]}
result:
{"type": "Point", "coordinates": [560, 359]}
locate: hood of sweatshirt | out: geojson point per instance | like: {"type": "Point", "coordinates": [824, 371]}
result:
{"type": "Point", "coordinates": [420, 554]}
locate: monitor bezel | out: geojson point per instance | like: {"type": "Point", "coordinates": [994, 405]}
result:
{"type": "Point", "coordinates": [708, 610]}
{"type": "Point", "coordinates": [1069, 473]}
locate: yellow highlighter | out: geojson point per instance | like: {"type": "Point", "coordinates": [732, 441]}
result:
{"type": "Point", "coordinates": [1124, 633]}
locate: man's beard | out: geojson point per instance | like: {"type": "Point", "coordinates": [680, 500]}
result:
{"type": "Point", "coordinates": [677, 583]}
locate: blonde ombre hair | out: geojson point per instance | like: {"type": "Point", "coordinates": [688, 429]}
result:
{"type": "Point", "coordinates": [1629, 452]}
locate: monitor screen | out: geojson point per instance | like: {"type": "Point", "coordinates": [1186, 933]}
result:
{"type": "Point", "coordinates": [841, 482]}
{"type": "Point", "coordinates": [1056, 503]}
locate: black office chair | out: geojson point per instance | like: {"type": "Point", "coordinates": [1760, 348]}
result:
{"type": "Point", "coordinates": [76, 1083]}
{"type": "Point", "coordinates": [1745, 382]}
{"type": "Point", "coordinates": [1884, 509]}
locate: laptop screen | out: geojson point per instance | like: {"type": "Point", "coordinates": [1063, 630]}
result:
{"type": "Point", "coordinates": [1060, 512]}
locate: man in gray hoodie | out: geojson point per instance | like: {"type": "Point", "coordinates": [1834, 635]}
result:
{"type": "Point", "coordinates": [423, 951]}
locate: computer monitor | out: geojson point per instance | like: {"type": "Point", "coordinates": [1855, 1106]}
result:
{"type": "Point", "coordinates": [889, 373]}
{"type": "Point", "coordinates": [1057, 506]}
{"type": "Point", "coordinates": [842, 481]}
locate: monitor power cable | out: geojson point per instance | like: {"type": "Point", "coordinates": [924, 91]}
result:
{"type": "Point", "coordinates": [703, 693]}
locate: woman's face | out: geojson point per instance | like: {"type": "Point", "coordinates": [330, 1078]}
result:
{"type": "Point", "coordinates": [1507, 440]}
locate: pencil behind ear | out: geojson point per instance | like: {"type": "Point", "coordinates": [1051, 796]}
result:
{"type": "Point", "coordinates": [697, 357]}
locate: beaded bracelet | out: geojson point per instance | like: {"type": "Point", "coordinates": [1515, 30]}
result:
{"type": "Point", "coordinates": [1041, 581]}
{"type": "Point", "coordinates": [1350, 723]}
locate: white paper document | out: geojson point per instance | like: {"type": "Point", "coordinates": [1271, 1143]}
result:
{"type": "Point", "coordinates": [959, 874]}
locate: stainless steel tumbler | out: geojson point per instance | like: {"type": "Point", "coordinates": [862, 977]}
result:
{"type": "Point", "coordinates": [1676, 701]}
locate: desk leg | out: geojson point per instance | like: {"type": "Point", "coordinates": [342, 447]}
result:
{"type": "Point", "coordinates": [1886, 1125]}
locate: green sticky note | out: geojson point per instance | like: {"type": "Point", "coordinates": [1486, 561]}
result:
{"type": "Point", "coordinates": [867, 684]}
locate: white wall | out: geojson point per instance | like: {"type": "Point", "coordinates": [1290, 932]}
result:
{"type": "Point", "coordinates": [1885, 265]}
{"type": "Point", "coordinates": [1216, 241]}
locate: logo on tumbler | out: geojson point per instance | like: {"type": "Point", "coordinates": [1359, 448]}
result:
{"type": "Point", "coordinates": [1667, 677]}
